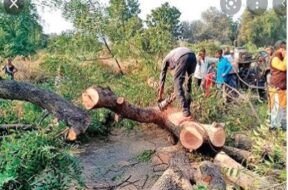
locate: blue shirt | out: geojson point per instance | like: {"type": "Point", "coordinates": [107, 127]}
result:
{"type": "Point", "coordinates": [223, 68]}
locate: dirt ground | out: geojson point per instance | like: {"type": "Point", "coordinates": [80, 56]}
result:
{"type": "Point", "coordinates": [112, 163]}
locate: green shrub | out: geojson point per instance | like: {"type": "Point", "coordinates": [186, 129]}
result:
{"type": "Point", "coordinates": [210, 46]}
{"type": "Point", "coordinates": [37, 161]}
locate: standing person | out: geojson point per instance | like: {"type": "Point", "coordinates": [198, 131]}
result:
{"type": "Point", "coordinates": [223, 68]}
{"type": "Point", "coordinates": [277, 90]}
{"type": "Point", "coordinates": [270, 51]}
{"type": "Point", "coordinates": [10, 69]}
{"type": "Point", "coordinates": [183, 60]}
{"type": "Point", "coordinates": [228, 55]}
{"type": "Point", "coordinates": [232, 78]}
{"type": "Point", "coordinates": [201, 68]}
{"type": "Point", "coordinates": [210, 78]}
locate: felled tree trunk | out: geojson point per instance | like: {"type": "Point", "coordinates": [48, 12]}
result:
{"type": "Point", "coordinates": [77, 119]}
{"type": "Point", "coordinates": [191, 134]}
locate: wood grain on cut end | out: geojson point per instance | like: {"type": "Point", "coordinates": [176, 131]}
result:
{"type": "Point", "coordinates": [71, 135]}
{"type": "Point", "coordinates": [191, 138]}
{"type": "Point", "coordinates": [219, 138]}
{"type": "Point", "coordinates": [120, 100]}
{"type": "Point", "coordinates": [90, 98]}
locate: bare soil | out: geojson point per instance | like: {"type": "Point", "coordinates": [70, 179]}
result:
{"type": "Point", "coordinates": [112, 163]}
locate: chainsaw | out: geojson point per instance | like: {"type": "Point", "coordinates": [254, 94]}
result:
{"type": "Point", "coordinates": [166, 102]}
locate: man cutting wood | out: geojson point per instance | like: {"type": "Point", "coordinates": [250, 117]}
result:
{"type": "Point", "coordinates": [183, 61]}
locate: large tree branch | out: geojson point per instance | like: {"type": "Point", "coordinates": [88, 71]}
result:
{"type": "Point", "coordinates": [77, 119]}
{"type": "Point", "coordinates": [191, 134]}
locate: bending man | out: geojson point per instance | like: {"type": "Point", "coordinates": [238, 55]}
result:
{"type": "Point", "coordinates": [183, 60]}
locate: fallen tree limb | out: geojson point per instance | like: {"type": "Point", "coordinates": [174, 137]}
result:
{"type": "Point", "coordinates": [74, 117]}
{"type": "Point", "coordinates": [241, 156]}
{"type": "Point", "coordinates": [239, 175]}
{"type": "Point", "coordinates": [191, 134]}
{"type": "Point", "coordinates": [181, 174]}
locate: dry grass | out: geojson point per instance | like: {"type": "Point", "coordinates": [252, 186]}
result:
{"type": "Point", "coordinates": [29, 70]}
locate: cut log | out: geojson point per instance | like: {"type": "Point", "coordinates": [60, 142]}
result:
{"type": "Point", "coordinates": [181, 174]}
{"type": "Point", "coordinates": [163, 155]}
{"type": "Point", "coordinates": [172, 180]}
{"type": "Point", "coordinates": [239, 175]}
{"type": "Point", "coordinates": [211, 175]}
{"type": "Point", "coordinates": [241, 156]}
{"type": "Point", "coordinates": [77, 119]}
{"type": "Point", "coordinates": [191, 134]}
{"type": "Point", "coordinates": [216, 134]}
{"type": "Point", "coordinates": [242, 141]}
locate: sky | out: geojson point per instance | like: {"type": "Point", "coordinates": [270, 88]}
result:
{"type": "Point", "coordinates": [53, 21]}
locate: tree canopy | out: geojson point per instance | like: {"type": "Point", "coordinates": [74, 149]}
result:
{"type": "Point", "coordinates": [21, 34]}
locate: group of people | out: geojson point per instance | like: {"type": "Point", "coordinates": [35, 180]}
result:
{"type": "Point", "coordinates": [224, 74]}
{"type": "Point", "coordinates": [225, 71]}
{"type": "Point", "coordinates": [186, 63]}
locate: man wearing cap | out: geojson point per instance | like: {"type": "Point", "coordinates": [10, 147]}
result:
{"type": "Point", "coordinates": [183, 61]}
{"type": "Point", "coordinates": [277, 90]}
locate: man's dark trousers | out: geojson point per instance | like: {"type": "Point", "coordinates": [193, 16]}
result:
{"type": "Point", "coordinates": [185, 65]}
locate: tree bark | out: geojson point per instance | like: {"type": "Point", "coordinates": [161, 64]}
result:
{"type": "Point", "coordinates": [172, 180]}
{"type": "Point", "coordinates": [181, 174]}
{"type": "Point", "coordinates": [241, 156]}
{"type": "Point", "coordinates": [239, 175]}
{"type": "Point", "coordinates": [242, 142]}
{"type": "Point", "coordinates": [77, 119]}
{"type": "Point", "coordinates": [191, 134]}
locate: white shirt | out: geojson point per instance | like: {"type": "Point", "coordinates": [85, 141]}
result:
{"type": "Point", "coordinates": [229, 57]}
{"type": "Point", "coordinates": [234, 64]}
{"type": "Point", "coordinates": [201, 68]}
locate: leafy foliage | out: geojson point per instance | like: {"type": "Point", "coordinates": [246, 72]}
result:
{"type": "Point", "coordinates": [214, 25]}
{"type": "Point", "coordinates": [166, 18]}
{"type": "Point", "coordinates": [21, 34]}
{"type": "Point", "coordinates": [145, 156]}
{"type": "Point", "coordinates": [262, 30]}
{"type": "Point", "coordinates": [37, 161]}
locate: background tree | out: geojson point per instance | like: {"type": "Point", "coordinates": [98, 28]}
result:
{"type": "Point", "coordinates": [214, 25]}
{"type": "Point", "coordinates": [217, 25]}
{"type": "Point", "coordinates": [262, 30]}
{"type": "Point", "coordinates": [21, 34]}
{"type": "Point", "coordinates": [192, 31]}
{"type": "Point", "coordinates": [166, 18]}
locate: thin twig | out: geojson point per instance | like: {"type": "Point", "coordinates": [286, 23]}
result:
{"type": "Point", "coordinates": [130, 183]}
{"type": "Point", "coordinates": [114, 186]}
{"type": "Point", "coordinates": [145, 181]}
{"type": "Point", "coordinates": [246, 99]}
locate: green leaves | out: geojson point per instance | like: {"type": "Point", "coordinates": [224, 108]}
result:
{"type": "Point", "coordinates": [21, 34]}
{"type": "Point", "coordinates": [262, 30]}
{"type": "Point", "coordinates": [37, 161]}
{"type": "Point", "coordinates": [166, 18]}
